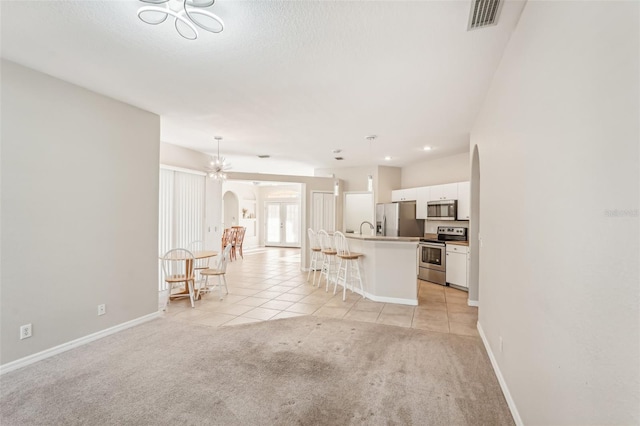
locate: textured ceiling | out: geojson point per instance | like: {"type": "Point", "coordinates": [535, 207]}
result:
{"type": "Point", "coordinates": [292, 79]}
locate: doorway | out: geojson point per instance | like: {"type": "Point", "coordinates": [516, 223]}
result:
{"type": "Point", "coordinates": [282, 224]}
{"type": "Point", "coordinates": [230, 210]}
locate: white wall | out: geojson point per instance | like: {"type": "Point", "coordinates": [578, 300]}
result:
{"type": "Point", "coordinates": [388, 179]}
{"type": "Point", "coordinates": [79, 211]}
{"type": "Point", "coordinates": [455, 168]}
{"type": "Point", "coordinates": [431, 226]}
{"type": "Point", "coordinates": [353, 178]}
{"type": "Point", "coordinates": [559, 282]}
{"type": "Point", "coordinates": [177, 156]}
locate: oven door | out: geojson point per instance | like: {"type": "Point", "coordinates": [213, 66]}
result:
{"type": "Point", "coordinates": [432, 256]}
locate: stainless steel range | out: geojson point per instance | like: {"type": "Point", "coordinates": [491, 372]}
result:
{"type": "Point", "coordinates": [432, 254]}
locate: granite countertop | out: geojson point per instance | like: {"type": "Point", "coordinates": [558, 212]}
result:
{"type": "Point", "coordinates": [385, 239]}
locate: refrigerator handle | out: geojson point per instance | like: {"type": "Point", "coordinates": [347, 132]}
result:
{"type": "Point", "coordinates": [384, 225]}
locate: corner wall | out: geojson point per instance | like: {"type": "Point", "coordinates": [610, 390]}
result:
{"type": "Point", "coordinates": [79, 211]}
{"type": "Point", "coordinates": [558, 142]}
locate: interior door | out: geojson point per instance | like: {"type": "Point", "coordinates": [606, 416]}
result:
{"type": "Point", "coordinates": [282, 223]}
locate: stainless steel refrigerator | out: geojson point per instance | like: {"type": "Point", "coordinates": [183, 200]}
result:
{"type": "Point", "coordinates": [398, 220]}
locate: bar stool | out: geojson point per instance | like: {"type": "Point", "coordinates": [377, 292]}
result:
{"type": "Point", "coordinates": [348, 268]}
{"type": "Point", "coordinates": [328, 257]}
{"type": "Point", "coordinates": [316, 254]}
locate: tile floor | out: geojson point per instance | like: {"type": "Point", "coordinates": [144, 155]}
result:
{"type": "Point", "coordinates": [268, 284]}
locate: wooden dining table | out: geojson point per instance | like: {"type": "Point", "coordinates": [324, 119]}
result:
{"type": "Point", "coordinates": [206, 254]}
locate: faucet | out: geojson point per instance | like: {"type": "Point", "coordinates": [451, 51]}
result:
{"type": "Point", "coordinates": [368, 223]}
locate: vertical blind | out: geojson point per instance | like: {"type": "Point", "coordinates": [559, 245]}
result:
{"type": "Point", "coordinates": [181, 212]}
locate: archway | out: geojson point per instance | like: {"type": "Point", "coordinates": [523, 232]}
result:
{"type": "Point", "coordinates": [230, 209]}
{"type": "Point", "coordinates": [474, 230]}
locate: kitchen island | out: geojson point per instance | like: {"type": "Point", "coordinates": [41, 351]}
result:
{"type": "Point", "coordinates": [388, 268]}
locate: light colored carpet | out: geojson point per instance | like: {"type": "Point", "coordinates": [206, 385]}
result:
{"type": "Point", "coordinates": [304, 370]}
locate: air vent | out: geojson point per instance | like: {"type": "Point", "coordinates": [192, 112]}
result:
{"type": "Point", "coordinates": [339, 158]}
{"type": "Point", "coordinates": [264, 156]}
{"type": "Point", "coordinates": [484, 13]}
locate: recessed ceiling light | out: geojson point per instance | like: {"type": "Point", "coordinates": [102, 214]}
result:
{"type": "Point", "coordinates": [427, 148]}
{"type": "Point", "coordinates": [337, 151]}
{"type": "Point", "coordinates": [387, 158]}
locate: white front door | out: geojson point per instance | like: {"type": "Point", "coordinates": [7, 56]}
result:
{"type": "Point", "coordinates": [282, 223]}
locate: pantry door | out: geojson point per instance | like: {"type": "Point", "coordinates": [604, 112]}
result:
{"type": "Point", "coordinates": [282, 223]}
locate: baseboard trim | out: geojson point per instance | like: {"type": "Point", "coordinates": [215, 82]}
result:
{"type": "Point", "coordinates": [473, 302]}
{"type": "Point", "coordinates": [388, 299]}
{"type": "Point", "coordinates": [503, 384]}
{"type": "Point", "coordinates": [47, 353]}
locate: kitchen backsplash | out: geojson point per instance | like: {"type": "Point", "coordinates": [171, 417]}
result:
{"type": "Point", "coordinates": [431, 226]}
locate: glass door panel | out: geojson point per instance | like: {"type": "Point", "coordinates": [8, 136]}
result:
{"type": "Point", "coordinates": [273, 224]}
{"type": "Point", "coordinates": [282, 224]}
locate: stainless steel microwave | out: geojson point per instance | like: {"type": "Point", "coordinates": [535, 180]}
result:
{"type": "Point", "coordinates": [442, 210]}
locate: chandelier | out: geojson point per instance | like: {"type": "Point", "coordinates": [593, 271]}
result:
{"type": "Point", "coordinates": [187, 14]}
{"type": "Point", "coordinates": [218, 165]}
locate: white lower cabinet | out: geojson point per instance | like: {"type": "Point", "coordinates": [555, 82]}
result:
{"type": "Point", "coordinates": [457, 263]}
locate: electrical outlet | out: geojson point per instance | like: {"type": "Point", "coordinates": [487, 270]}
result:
{"type": "Point", "coordinates": [25, 331]}
{"type": "Point", "coordinates": [500, 344]}
{"type": "Point", "coordinates": [102, 309]}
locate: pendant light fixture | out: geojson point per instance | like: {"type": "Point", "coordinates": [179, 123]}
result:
{"type": "Point", "coordinates": [218, 165]}
{"type": "Point", "coordinates": [370, 176]}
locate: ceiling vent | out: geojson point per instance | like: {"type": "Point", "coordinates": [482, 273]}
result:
{"type": "Point", "coordinates": [264, 156]}
{"type": "Point", "coordinates": [484, 13]}
{"type": "Point", "coordinates": [338, 158]}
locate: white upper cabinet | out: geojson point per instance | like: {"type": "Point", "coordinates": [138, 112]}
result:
{"type": "Point", "coordinates": [421, 202]}
{"type": "Point", "coordinates": [464, 200]}
{"type": "Point", "coordinates": [404, 194]}
{"type": "Point", "coordinates": [460, 191]}
{"type": "Point", "coordinates": [447, 191]}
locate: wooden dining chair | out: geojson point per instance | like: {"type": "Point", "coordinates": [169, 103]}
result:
{"type": "Point", "coordinates": [220, 272]}
{"type": "Point", "coordinates": [238, 240]}
{"type": "Point", "coordinates": [227, 238]}
{"type": "Point", "coordinates": [177, 267]}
